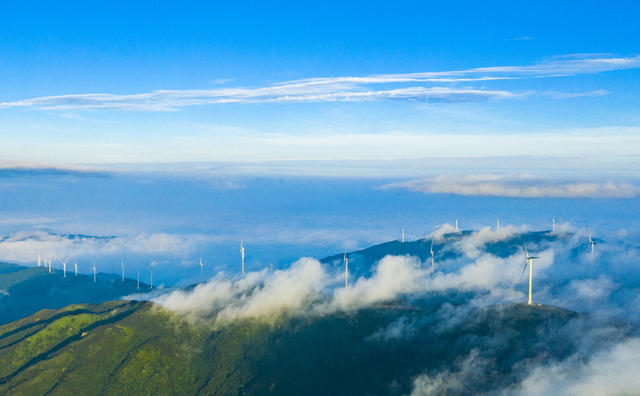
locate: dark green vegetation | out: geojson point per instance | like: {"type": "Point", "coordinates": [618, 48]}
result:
{"type": "Point", "coordinates": [139, 348]}
{"type": "Point", "coordinates": [25, 290]}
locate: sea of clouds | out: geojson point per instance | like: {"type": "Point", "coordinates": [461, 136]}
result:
{"type": "Point", "coordinates": [566, 274]}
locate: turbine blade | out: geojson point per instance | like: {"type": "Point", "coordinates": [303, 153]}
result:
{"type": "Point", "coordinates": [526, 253]}
{"type": "Point", "coordinates": [524, 269]}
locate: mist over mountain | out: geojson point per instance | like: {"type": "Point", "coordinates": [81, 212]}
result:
{"type": "Point", "coordinates": [402, 326]}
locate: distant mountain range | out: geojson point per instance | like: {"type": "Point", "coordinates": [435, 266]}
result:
{"type": "Point", "coordinates": [25, 290]}
{"type": "Point", "coordinates": [362, 262]}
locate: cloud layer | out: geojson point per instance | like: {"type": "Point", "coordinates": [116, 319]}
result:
{"type": "Point", "coordinates": [25, 246]}
{"type": "Point", "coordinates": [608, 372]}
{"type": "Point", "coordinates": [426, 86]}
{"type": "Point", "coordinates": [520, 186]}
{"type": "Point", "coordinates": [472, 272]}
{"type": "Point", "coordinates": [465, 266]}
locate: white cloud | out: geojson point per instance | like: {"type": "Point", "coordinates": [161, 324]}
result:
{"type": "Point", "coordinates": [291, 93]}
{"type": "Point", "coordinates": [441, 231]}
{"type": "Point", "coordinates": [520, 186]}
{"type": "Point", "coordinates": [26, 246]}
{"type": "Point", "coordinates": [473, 245]}
{"type": "Point", "coordinates": [260, 295]}
{"type": "Point", "coordinates": [591, 289]}
{"type": "Point", "coordinates": [488, 272]}
{"type": "Point", "coordinates": [570, 95]}
{"type": "Point", "coordinates": [469, 371]}
{"type": "Point", "coordinates": [394, 275]}
{"type": "Point", "coordinates": [399, 329]}
{"type": "Point", "coordinates": [343, 89]}
{"type": "Point", "coordinates": [608, 372]}
{"type": "Point", "coordinates": [304, 288]}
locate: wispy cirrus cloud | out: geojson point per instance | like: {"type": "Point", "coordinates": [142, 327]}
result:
{"type": "Point", "coordinates": [167, 100]}
{"type": "Point", "coordinates": [523, 38]}
{"type": "Point", "coordinates": [519, 186]}
{"type": "Point", "coordinates": [421, 86]}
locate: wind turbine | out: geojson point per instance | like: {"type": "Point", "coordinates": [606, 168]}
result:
{"type": "Point", "coordinates": [38, 259]}
{"type": "Point", "coordinates": [591, 243]}
{"type": "Point", "coordinates": [456, 225]}
{"type": "Point", "coordinates": [201, 268]}
{"type": "Point", "coordinates": [64, 269]}
{"type": "Point", "coordinates": [402, 234]}
{"type": "Point", "coordinates": [346, 270]}
{"type": "Point", "coordinates": [553, 224]}
{"type": "Point", "coordinates": [529, 262]}
{"type": "Point", "coordinates": [49, 266]}
{"type": "Point", "coordinates": [433, 266]}
{"type": "Point", "coordinates": [151, 277]}
{"type": "Point", "coordinates": [76, 265]}
{"type": "Point", "coordinates": [497, 224]}
{"type": "Point", "coordinates": [94, 270]}
{"type": "Point", "coordinates": [122, 266]}
{"type": "Point", "coordinates": [242, 254]}
{"type": "Point", "coordinates": [138, 280]}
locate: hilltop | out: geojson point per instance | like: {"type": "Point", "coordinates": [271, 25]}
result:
{"type": "Point", "coordinates": [361, 262]}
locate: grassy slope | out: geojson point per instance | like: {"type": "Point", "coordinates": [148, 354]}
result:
{"type": "Point", "coordinates": [138, 348]}
{"type": "Point", "coordinates": [112, 348]}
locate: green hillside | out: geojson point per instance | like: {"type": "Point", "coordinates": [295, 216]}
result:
{"type": "Point", "coordinates": [25, 290]}
{"type": "Point", "coordinates": [138, 348]}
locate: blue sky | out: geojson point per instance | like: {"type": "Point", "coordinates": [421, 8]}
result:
{"type": "Point", "coordinates": [537, 104]}
{"type": "Point", "coordinates": [289, 80]}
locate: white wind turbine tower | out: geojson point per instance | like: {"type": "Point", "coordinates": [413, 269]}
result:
{"type": "Point", "coordinates": [433, 265]}
{"type": "Point", "coordinates": [38, 259]}
{"type": "Point", "coordinates": [346, 270]}
{"type": "Point", "coordinates": [456, 225]}
{"type": "Point", "coordinates": [49, 266]}
{"type": "Point", "coordinates": [402, 234]}
{"type": "Point", "coordinates": [529, 262]}
{"type": "Point", "coordinates": [122, 267]}
{"type": "Point", "coordinates": [138, 280]}
{"type": "Point", "coordinates": [497, 224]}
{"type": "Point", "coordinates": [201, 268]}
{"type": "Point", "coordinates": [94, 270]}
{"type": "Point", "coordinates": [242, 254]}
{"type": "Point", "coordinates": [591, 243]}
{"type": "Point", "coordinates": [64, 269]}
{"type": "Point", "coordinates": [553, 224]}
{"type": "Point", "coordinates": [76, 265]}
